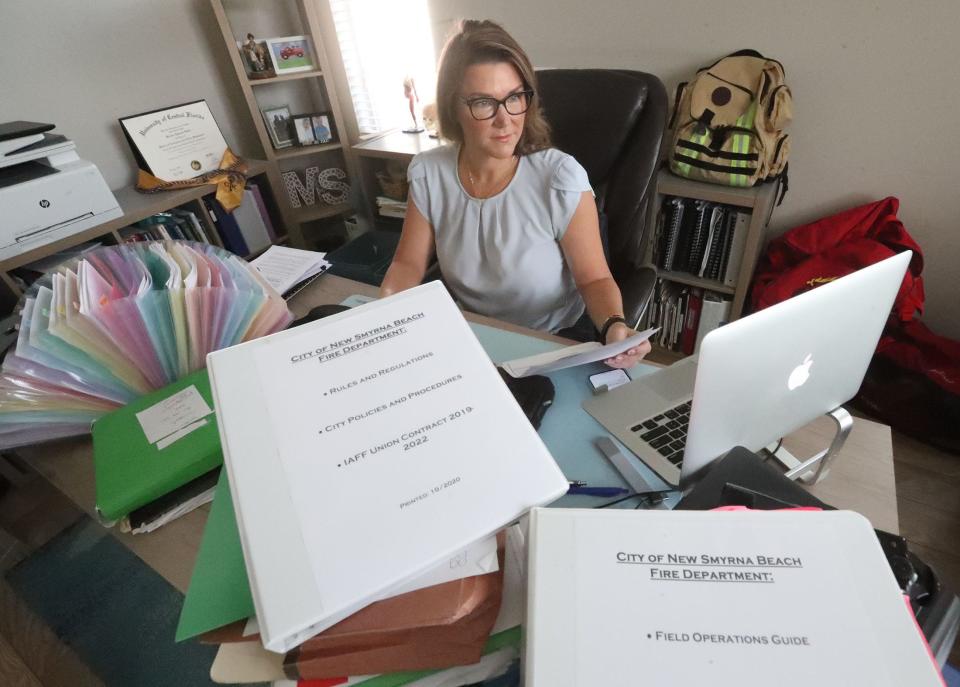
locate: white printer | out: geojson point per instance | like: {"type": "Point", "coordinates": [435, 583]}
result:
{"type": "Point", "coordinates": [46, 191]}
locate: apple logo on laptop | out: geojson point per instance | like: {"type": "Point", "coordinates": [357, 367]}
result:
{"type": "Point", "coordinates": [801, 373]}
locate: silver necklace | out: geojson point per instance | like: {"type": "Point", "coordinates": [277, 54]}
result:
{"type": "Point", "coordinates": [494, 187]}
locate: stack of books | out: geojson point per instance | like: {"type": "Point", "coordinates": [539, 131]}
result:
{"type": "Point", "coordinates": [245, 231]}
{"type": "Point", "coordinates": [391, 207]}
{"type": "Point", "coordinates": [684, 314]}
{"type": "Point", "coordinates": [701, 238]}
{"type": "Point", "coordinates": [117, 322]}
{"type": "Point", "coordinates": [371, 457]}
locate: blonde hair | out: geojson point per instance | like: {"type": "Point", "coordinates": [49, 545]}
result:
{"type": "Point", "coordinates": [483, 42]}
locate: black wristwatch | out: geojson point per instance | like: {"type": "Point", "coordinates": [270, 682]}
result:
{"type": "Point", "coordinates": [612, 320]}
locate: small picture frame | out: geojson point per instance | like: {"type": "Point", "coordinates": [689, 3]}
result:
{"type": "Point", "coordinates": [291, 54]}
{"type": "Point", "coordinates": [255, 56]}
{"type": "Point", "coordinates": [322, 127]}
{"type": "Point", "coordinates": [303, 126]}
{"type": "Point", "coordinates": [279, 124]}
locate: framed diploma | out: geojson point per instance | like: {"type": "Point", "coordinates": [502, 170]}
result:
{"type": "Point", "coordinates": [175, 143]}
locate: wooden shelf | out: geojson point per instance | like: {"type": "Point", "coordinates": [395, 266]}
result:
{"type": "Point", "coordinates": [320, 95]}
{"type": "Point", "coordinates": [136, 206]}
{"type": "Point", "coordinates": [671, 185]}
{"type": "Point", "coordinates": [301, 151]}
{"type": "Point", "coordinates": [316, 73]}
{"type": "Point", "coordinates": [693, 280]}
{"type": "Point", "coordinates": [315, 212]}
{"type": "Point", "coordinates": [396, 145]}
{"type": "Point", "coordinates": [759, 200]}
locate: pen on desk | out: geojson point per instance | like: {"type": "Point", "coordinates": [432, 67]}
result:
{"type": "Point", "coordinates": [579, 487]}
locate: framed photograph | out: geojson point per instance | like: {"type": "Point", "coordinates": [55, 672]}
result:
{"type": "Point", "coordinates": [175, 143]}
{"type": "Point", "coordinates": [303, 126]}
{"type": "Point", "coordinates": [291, 54]}
{"type": "Point", "coordinates": [322, 128]}
{"type": "Point", "coordinates": [256, 58]}
{"type": "Point", "coordinates": [279, 126]}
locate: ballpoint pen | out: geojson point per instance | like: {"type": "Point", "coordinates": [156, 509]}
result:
{"type": "Point", "coordinates": [580, 487]}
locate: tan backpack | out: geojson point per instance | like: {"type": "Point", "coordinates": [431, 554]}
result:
{"type": "Point", "coordinates": [728, 122]}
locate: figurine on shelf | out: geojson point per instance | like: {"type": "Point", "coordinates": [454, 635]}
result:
{"type": "Point", "coordinates": [430, 120]}
{"type": "Point", "coordinates": [256, 57]}
{"type": "Point", "coordinates": [410, 91]}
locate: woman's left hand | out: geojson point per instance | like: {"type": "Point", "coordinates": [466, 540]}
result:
{"type": "Point", "coordinates": [631, 356]}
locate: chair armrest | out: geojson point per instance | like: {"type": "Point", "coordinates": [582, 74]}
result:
{"type": "Point", "coordinates": [433, 273]}
{"type": "Point", "coordinates": [637, 290]}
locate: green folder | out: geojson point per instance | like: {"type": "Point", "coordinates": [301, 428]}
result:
{"type": "Point", "coordinates": [131, 472]}
{"type": "Point", "coordinates": [219, 593]}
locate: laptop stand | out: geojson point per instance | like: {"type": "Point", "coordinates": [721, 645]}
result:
{"type": "Point", "coordinates": [815, 468]}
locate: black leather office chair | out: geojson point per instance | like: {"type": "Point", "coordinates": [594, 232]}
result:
{"type": "Point", "coordinates": [612, 121]}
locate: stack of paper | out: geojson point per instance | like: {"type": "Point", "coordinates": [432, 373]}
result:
{"type": "Point", "coordinates": [120, 321]}
{"type": "Point", "coordinates": [387, 420]}
{"type": "Point", "coordinates": [219, 595]}
{"type": "Point", "coordinates": [390, 207]}
{"type": "Point", "coordinates": [283, 267]}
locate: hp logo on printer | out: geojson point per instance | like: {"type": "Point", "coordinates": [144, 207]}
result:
{"type": "Point", "coordinates": [44, 203]}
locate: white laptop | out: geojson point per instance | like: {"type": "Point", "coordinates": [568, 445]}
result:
{"type": "Point", "coordinates": [756, 379]}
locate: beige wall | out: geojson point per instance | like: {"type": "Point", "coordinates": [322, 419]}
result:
{"type": "Point", "coordinates": [875, 84]}
{"type": "Point", "coordinates": [82, 65]}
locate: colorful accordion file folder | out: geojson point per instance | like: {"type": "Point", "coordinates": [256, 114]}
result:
{"type": "Point", "coordinates": [118, 321]}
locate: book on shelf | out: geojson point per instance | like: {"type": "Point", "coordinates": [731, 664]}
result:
{"type": "Point", "coordinates": [691, 321]}
{"type": "Point", "coordinates": [791, 598]}
{"type": "Point", "coordinates": [685, 314]}
{"type": "Point", "coordinates": [714, 312]}
{"type": "Point", "coordinates": [227, 227]}
{"type": "Point", "coordinates": [250, 222]}
{"type": "Point", "coordinates": [739, 227]}
{"type": "Point", "coordinates": [710, 262]}
{"type": "Point", "coordinates": [262, 207]}
{"type": "Point", "coordinates": [390, 207]}
{"type": "Point", "coordinates": [196, 226]}
{"type": "Point", "coordinates": [701, 238]}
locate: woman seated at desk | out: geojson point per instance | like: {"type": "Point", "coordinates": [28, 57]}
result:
{"type": "Point", "coordinates": [511, 220]}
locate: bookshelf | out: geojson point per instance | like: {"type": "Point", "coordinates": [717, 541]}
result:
{"type": "Point", "coordinates": [304, 92]}
{"type": "Point", "coordinates": [137, 206]}
{"type": "Point", "coordinates": [373, 155]}
{"type": "Point", "coordinates": [755, 203]}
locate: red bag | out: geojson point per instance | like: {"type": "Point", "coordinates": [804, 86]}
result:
{"type": "Point", "coordinates": [913, 382]}
{"type": "Point", "coordinates": [814, 254]}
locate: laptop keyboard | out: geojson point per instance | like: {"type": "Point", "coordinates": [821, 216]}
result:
{"type": "Point", "coordinates": [667, 432]}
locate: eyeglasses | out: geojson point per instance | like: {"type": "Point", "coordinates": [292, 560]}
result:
{"type": "Point", "coordinates": [486, 108]}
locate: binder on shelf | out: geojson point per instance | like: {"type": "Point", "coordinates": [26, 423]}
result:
{"type": "Point", "coordinates": [698, 236]}
{"type": "Point", "coordinates": [194, 223]}
{"type": "Point", "coordinates": [738, 242]}
{"type": "Point", "coordinates": [677, 209]}
{"type": "Point", "coordinates": [714, 312]}
{"type": "Point", "coordinates": [262, 207]}
{"type": "Point", "coordinates": [711, 253]}
{"type": "Point", "coordinates": [691, 322]}
{"type": "Point", "coordinates": [137, 461]}
{"type": "Point", "coordinates": [251, 224]}
{"type": "Point", "coordinates": [227, 226]}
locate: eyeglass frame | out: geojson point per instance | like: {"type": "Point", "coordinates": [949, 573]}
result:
{"type": "Point", "coordinates": [529, 92]}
